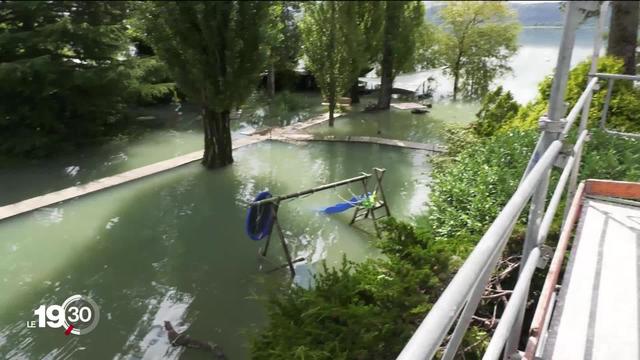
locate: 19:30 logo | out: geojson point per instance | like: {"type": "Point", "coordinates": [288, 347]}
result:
{"type": "Point", "coordinates": [78, 315]}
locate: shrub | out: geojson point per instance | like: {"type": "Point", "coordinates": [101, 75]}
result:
{"type": "Point", "coordinates": [624, 109]}
{"type": "Point", "coordinates": [498, 107]}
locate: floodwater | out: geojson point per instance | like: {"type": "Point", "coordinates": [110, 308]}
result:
{"type": "Point", "coordinates": [535, 59]}
{"type": "Point", "coordinates": [177, 131]}
{"type": "Point", "coordinates": [172, 247]}
{"type": "Point", "coordinates": [402, 124]}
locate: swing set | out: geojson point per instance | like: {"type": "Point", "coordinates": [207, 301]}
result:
{"type": "Point", "coordinates": [262, 215]}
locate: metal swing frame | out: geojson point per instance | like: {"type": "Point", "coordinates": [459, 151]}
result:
{"type": "Point", "coordinates": [360, 213]}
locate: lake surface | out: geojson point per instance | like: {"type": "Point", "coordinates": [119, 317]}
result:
{"type": "Point", "coordinates": [535, 59]}
{"type": "Point", "coordinates": [172, 247]}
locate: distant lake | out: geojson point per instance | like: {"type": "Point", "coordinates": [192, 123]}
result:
{"type": "Point", "coordinates": [537, 56]}
{"type": "Point", "coordinates": [535, 59]}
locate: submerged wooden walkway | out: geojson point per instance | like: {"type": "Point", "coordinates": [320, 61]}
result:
{"type": "Point", "coordinates": [292, 132]}
{"type": "Point", "coordinates": [436, 148]}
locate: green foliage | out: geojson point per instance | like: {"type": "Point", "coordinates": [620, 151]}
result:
{"type": "Point", "coordinates": [369, 16]}
{"type": "Point", "coordinates": [210, 48]}
{"type": "Point", "coordinates": [409, 35]}
{"type": "Point", "coordinates": [624, 109]}
{"type": "Point", "coordinates": [358, 311]}
{"type": "Point", "coordinates": [151, 82]}
{"type": "Point", "coordinates": [282, 36]}
{"type": "Point", "coordinates": [478, 39]}
{"type": "Point", "coordinates": [62, 74]}
{"type": "Point", "coordinates": [498, 107]}
{"type": "Point", "coordinates": [468, 191]}
{"type": "Point", "coordinates": [332, 44]}
{"type": "Point", "coordinates": [611, 157]}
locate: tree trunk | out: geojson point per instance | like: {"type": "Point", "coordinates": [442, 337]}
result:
{"type": "Point", "coordinates": [271, 81]}
{"type": "Point", "coordinates": [386, 80]}
{"type": "Point", "coordinates": [354, 92]}
{"type": "Point", "coordinates": [217, 139]}
{"type": "Point", "coordinates": [623, 33]}
{"type": "Point", "coordinates": [332, 108]}
{"type": "Point", "coordinates": [456, 75]}
{"type": "Point", "coordinates": [456, 78]}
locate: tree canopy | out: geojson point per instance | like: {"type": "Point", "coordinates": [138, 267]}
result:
{"type": "Point", "coordinates": [62, 66]}
{"type": "Point", "coordinates": [212, 50]}
{"type": "Point", "coordinates": [478, 39]}
{"type": "Point", "coordinates": [403, 30]}
{"type": "Point", "coordinates": [332, 44]}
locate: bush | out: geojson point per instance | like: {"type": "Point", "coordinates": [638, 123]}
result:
{"type": "Point", "coordinates": [498, 107]}
{"type": "Point", "coordinates": [151, 82]}
{"type": "Point", "coordinates": [369, 310]}
{"type": "Point", "coordinates": [468, 191]}
{"type": "Point", "coordinates": [359, 311]}
{"type": "Point", "coordinates": [624, 109]}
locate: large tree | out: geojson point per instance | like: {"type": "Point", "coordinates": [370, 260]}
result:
{"type": "Point", "coordinates": [213, 51]}
{"type": "Point", "coordinates": [368, 17]}
{"type": "Point", "coordinates": [403, 25]}
{"type": "Point", "coordinates": [282, 41]}
{"type": "Point", "coordinates": [478, 39]}
{"type": "Point", "coordinates": [62, 75]}
{"type": "Point", "coordinates": [331, 43]}
{"type": "Point", "coordinates": [623, 33]}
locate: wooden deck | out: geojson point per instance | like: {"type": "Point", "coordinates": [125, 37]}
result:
{"type": "Point", "coordinates": [597, 314]}
{"type": "Point", "coordinates": [409, 106]}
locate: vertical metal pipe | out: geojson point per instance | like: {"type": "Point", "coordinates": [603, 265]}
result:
{"type": "Point", "coordinates": [597, 44]}
{"type": "Point", "coordinates": [556, 112]}
{"type": "Point", "coordinates": [563, 64]}
{"type": "Point", "coordinates": [474, 300]}
{"type": "Point", "coordinates": [607, 100]}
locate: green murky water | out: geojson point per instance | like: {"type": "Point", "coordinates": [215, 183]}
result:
{"type": "Point", "coordinates": [402, 124]}
{"type": "Point", "coordinates": [172, 247]}
{"type": "Point", "coordinates": [176, 131]}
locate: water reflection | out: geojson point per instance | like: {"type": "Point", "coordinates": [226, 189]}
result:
{"type": "Point", "coordinates": [172, 247]}
{"type": "Point", "coordinates": [149, 339]}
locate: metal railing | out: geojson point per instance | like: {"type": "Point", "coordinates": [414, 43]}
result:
{"type": "Point", "coordinates": [611, 78]}
{"type": "Point", "coordinates": [460, 299]}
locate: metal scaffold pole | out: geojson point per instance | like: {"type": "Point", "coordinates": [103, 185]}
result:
{"type": "Point", "coordinates": [552, 127]}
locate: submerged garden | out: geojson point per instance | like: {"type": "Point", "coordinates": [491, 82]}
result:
{"type": "Point", "coordinates": [92, 89]}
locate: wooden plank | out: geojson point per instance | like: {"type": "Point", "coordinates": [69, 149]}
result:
{"type": "Point", "coordinates": [550, 282]}
{"type": "Point", "coordinates": [598, 313]}
{"type": "Point", "coordinates": [131, 175]}
{"type": "Point", "coordinates": [108, 182]}
{"type": "Point", "coordinates": [408, 106]}
{"type": "Point", "coordinates": [620, 189]}
{"type": "Point", "coordinates": [362, 139]}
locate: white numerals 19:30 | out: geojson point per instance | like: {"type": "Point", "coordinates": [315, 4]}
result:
{"type": "Point", "coordinates": [53, 316]}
